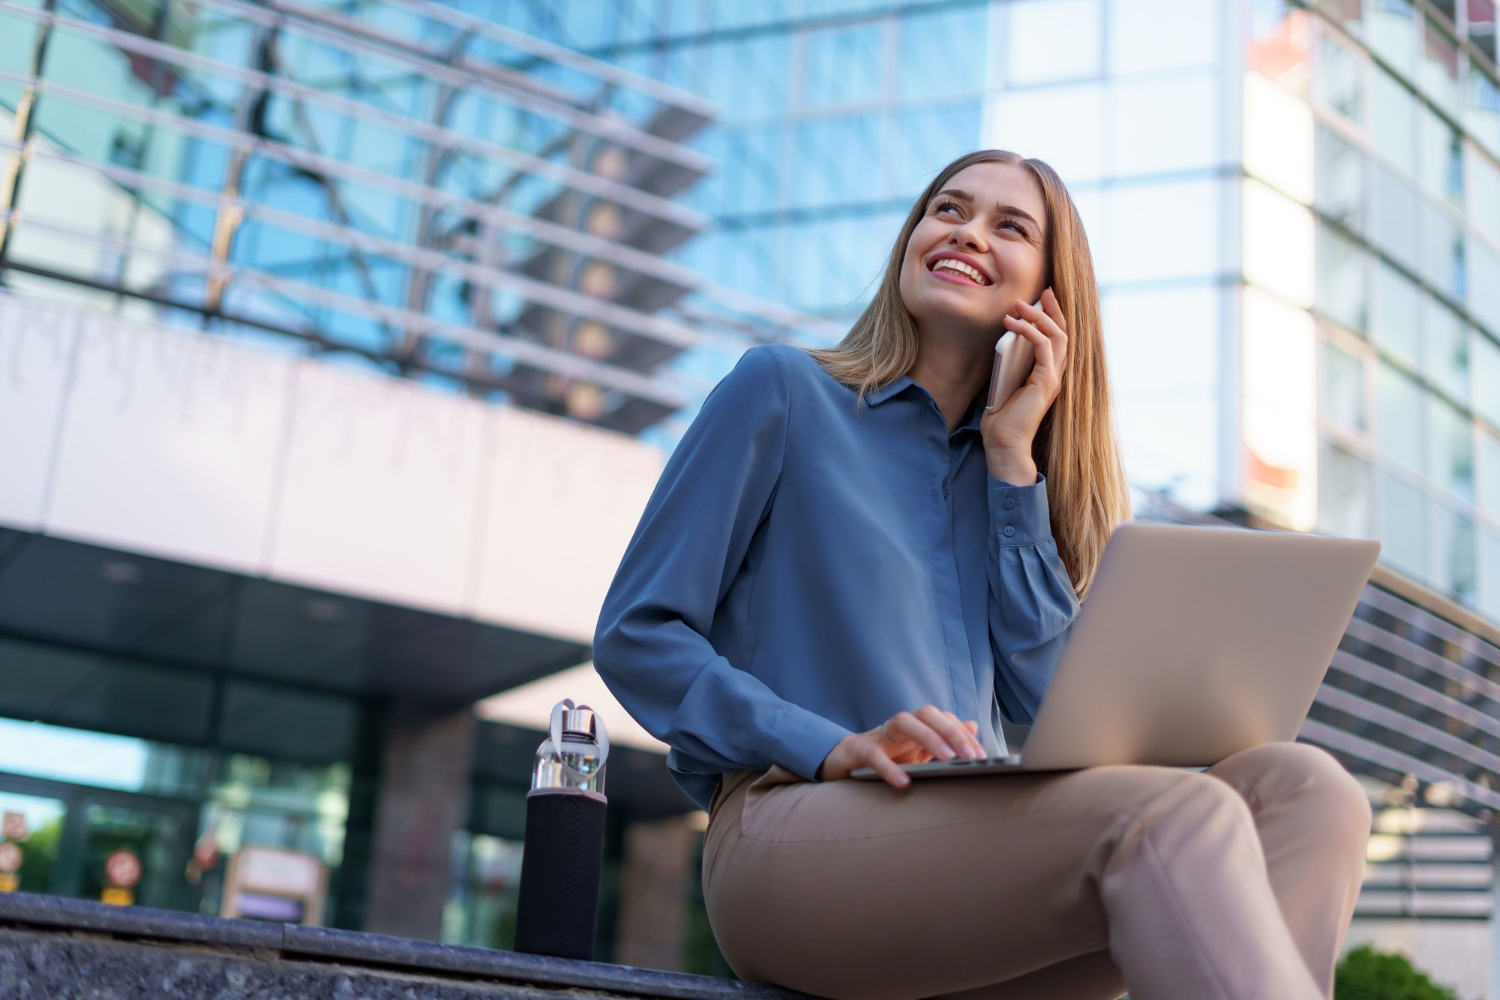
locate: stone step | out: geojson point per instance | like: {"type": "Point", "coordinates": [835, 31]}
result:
{"type": "Point", "coordinates": [53, 948]}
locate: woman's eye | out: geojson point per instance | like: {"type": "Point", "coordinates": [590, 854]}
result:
{"type": "Point", "coordinates": [944, 206]}
{"type": "Point", "coordinates": [1014, 225]}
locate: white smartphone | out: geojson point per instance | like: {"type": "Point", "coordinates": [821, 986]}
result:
{"type": "Point", "coordinates": [1014, 359]}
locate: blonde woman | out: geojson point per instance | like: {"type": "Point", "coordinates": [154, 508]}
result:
{"type": "Point", "coordinates": [848, 562]}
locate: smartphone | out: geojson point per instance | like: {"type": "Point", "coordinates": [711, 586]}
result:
{"type": "Point", "coordinates": [1014, 358]}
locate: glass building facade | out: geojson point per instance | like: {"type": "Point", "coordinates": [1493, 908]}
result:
{"type": "Point", "coordinates": [1292, 209]}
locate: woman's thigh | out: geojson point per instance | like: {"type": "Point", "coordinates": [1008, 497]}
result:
{"type": "Point", "coordinates": [856, 889]}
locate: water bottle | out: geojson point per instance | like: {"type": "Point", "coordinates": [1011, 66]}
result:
{"type": "Point", "coordinates": [564, 852]}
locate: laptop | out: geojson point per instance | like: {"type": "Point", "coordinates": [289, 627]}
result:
{"type": "Point", "coordinates": [1194, 643]}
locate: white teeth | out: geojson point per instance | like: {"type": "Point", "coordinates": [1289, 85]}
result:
{"type": "Point", "coordinates": [965, 269]}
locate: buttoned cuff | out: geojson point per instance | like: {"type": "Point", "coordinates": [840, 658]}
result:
{"type": "Point", "coordinates": [800, 739]}
{"type": "Point", "coordinates": [1019, 514]}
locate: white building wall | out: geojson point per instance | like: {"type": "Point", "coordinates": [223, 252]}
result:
{"type": "Point", "coordinates": [211, 451]}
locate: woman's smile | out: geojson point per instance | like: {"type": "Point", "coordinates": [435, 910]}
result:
{"type": "Point", "coordinates": [956, 267]}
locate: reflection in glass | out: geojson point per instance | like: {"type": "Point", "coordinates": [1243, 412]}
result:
{"type": "Point", "coordinates": [1447, 343]}
{"type": "Point", "coordinates": [1482, 26]}
{"type": "Point", "coordinates": [1489, 573]}
{"type": "Point", "coordinates": [1033, 55]}
{"type": "Point", "coordinates": [1393, 119]}
{"type": "Point", "coordinates": [1339, 178]}
{"type": "Point", "coordinates": [1483, 183]}
{"type": "Point", "coordinates": [1397, 321]}
{"type": "Point", "coordinates": [1398, 428]}
{"type": "Point", "coordinates": [1396, 216]}
{"type": "Point", "coordinates": [1483, 283]}
{"type": "Point", "coordinates": [1343, 493]}
{"type": "Point", "coordinates": [1450, 451]}
{"type": "Point", "coordinates": [1443, 252]}
{"type": "Point", "coordinates": [1345, 12]}
{"type": "Point", "coordinates": [1341, 278]}
{"type": "Point", "coordinates": [925, 68]}
{"type": "Point", "coordinates": [842, 65]}
{"type": "Point", "coordinates": [1438, 73]}
{"type": "Point", "coordinates": [1454, 563]}
{"type": "Point", "coordinates": [1279, 44]}
{"type": "Point", "coordinates": [1403, 526]}
{"type": "Point", "coordinates": [1482, 112]}
{"type": "Point", "coordinates": [1339, 79]}
{"type": "Point", "coordinates": [1442, 170]}
{"type": "Point", "coordinates": [1390, 31]}
{"type": "Point", "coordinates": [1343, 392]}
{"type": "Point", "coordinates": [1485, 356]}
{"type": "Point", "coordinates": [1489, 473]}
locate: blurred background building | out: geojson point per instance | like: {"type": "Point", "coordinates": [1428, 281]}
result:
{"type": "Point", "coordinates": [341, 345]}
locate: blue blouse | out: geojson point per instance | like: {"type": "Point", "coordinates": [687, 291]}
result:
{"type": "Point", "coordinates": [803, 571]}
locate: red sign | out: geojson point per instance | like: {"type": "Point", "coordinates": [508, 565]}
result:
{"type": "Point", "coordinates": [13, 826]}
{"type": "Point", "coordinates": [10, 858]}
{"type": "Point", "coordinates": [122, 868]}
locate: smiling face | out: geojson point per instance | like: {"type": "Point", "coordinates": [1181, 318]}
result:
{"type": "Point", "coordinates": [980, 246]}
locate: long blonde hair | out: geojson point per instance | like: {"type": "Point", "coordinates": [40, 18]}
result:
{"type": "Point", "coordinates": [1075, 446]}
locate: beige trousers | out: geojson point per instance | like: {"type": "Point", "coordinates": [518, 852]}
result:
{"type": "Point", "coordinates": [1235, 883]}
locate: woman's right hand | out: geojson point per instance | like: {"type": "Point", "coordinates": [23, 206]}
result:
{"type": "Point", "coordinates": [904, 738]}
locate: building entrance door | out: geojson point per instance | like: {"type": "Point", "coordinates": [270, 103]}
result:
{"type": "Point", "coordinates": [101, 844]}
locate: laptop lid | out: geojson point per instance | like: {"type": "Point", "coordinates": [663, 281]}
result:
{"type": "Point", "coordinates": [1195, 643]}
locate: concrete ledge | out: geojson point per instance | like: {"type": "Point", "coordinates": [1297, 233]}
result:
{"type": "Point", "coordinates": [57, 948]}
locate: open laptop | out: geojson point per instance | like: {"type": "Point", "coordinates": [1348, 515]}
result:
{"type": "Point", "coordinates": [1194, 643]}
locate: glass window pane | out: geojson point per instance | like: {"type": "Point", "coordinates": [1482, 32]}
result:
{"type": "Point", "coordinates": [926, 68]}
{"type": "Point", "coordinates": [1447, 348]}
{"type": "Point", "coordinates": [1279, 42]}
{"type": "Point", "coordinates": [1339, 79]}
{"type": "Point", "coordinates": [1483, 183]}
{"type": "Point", "coordinates": [1482, 112]}
{"type": "Point", "coordinates": [1489, 473]}
{"type": "Point", "coordinates": [1484, 283]}
{"type": "Point", "coordinates": [1343, 395]}
{"type": "Point", "coordinates": [1339, 178]}
{"type": "Point", "coordinates": [842, 65]}
{"type": "Point", "coordinates": [1345, 12]}
{"type": "Point", "coordinates": [1403, 526]}
{"type": "Point", "coordinates": [1033, 55]}
{"type": "Point", "coordinates": [1482, 26]}
{"type": "Point", "coordinates": [1485, 355]}
{"type": "Point", "coordinates": [1489, 573]}
{"type": "Point", "coordinates": [1151, 35]}
{"type": "Point", "coordinates": [1397, 323]}
{"type": "Point", "coordinates": [1442, 159]}
{"type": "Point", "coordinates": [1438, 73]}
{"type": "Point", "coordinates": [1450, 452]}
{"type": "Point", "coordinates": [1454, 566]}
{"type": "Point", "coordinates": [1398, 432]}
{"type": "Point", "coordinates": [1395, 216]}
{"type": "Point", "coordinates": [1393, 119]}
{"type": "Point", "coordinates": [1341, 278]}
{"type": "Point", "coordinates": [1443, 252]}
{"type": "Point", "coordinates": [1390, 30]}
{"type": "Point", "coordinates": [1343, 493]}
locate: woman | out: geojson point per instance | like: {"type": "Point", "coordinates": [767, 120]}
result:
{"type": "Point", "coordinates": [847, 562]}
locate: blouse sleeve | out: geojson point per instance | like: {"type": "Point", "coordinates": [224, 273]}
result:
{"type": "Point", "coordinates": [651, 646]}
{"type": "Point", "coordinates": [1032, 602]}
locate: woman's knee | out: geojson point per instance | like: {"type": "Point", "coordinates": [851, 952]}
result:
{"type": "Point", "coordinates": [1309, 776]}
{"type": "Point", "coordinates": [1194, 802]}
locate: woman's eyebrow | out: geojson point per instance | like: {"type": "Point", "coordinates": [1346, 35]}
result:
{"type": "Point", "coordinates": [999, 209]}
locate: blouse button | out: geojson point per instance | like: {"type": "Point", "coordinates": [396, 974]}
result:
{"type": "Point", "coordinates": [1009, 530]}
{"type": "Point", "coordinates": [945, 489]}
{"type": "Point", "coordinates": [1010, 502]}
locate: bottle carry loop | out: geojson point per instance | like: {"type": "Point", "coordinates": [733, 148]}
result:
{"type": "Point", "coordinates": [555, 730]}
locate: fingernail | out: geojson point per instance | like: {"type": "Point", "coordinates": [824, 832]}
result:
{"type": "Point", "coordinates": [946, 752]}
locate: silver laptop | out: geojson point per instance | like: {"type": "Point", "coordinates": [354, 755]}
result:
{"type": "Point", "coordinates": [1194, 643]}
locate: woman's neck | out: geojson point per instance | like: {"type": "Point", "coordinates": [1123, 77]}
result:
{"type": "Point", "coordinates": [954, 368]}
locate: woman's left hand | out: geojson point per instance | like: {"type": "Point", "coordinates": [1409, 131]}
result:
{"type": "Point", "coordinates": [1010, 430]}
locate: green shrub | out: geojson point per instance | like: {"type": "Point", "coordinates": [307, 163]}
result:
{"type": "Point", "coordinates": [1367, 974]}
